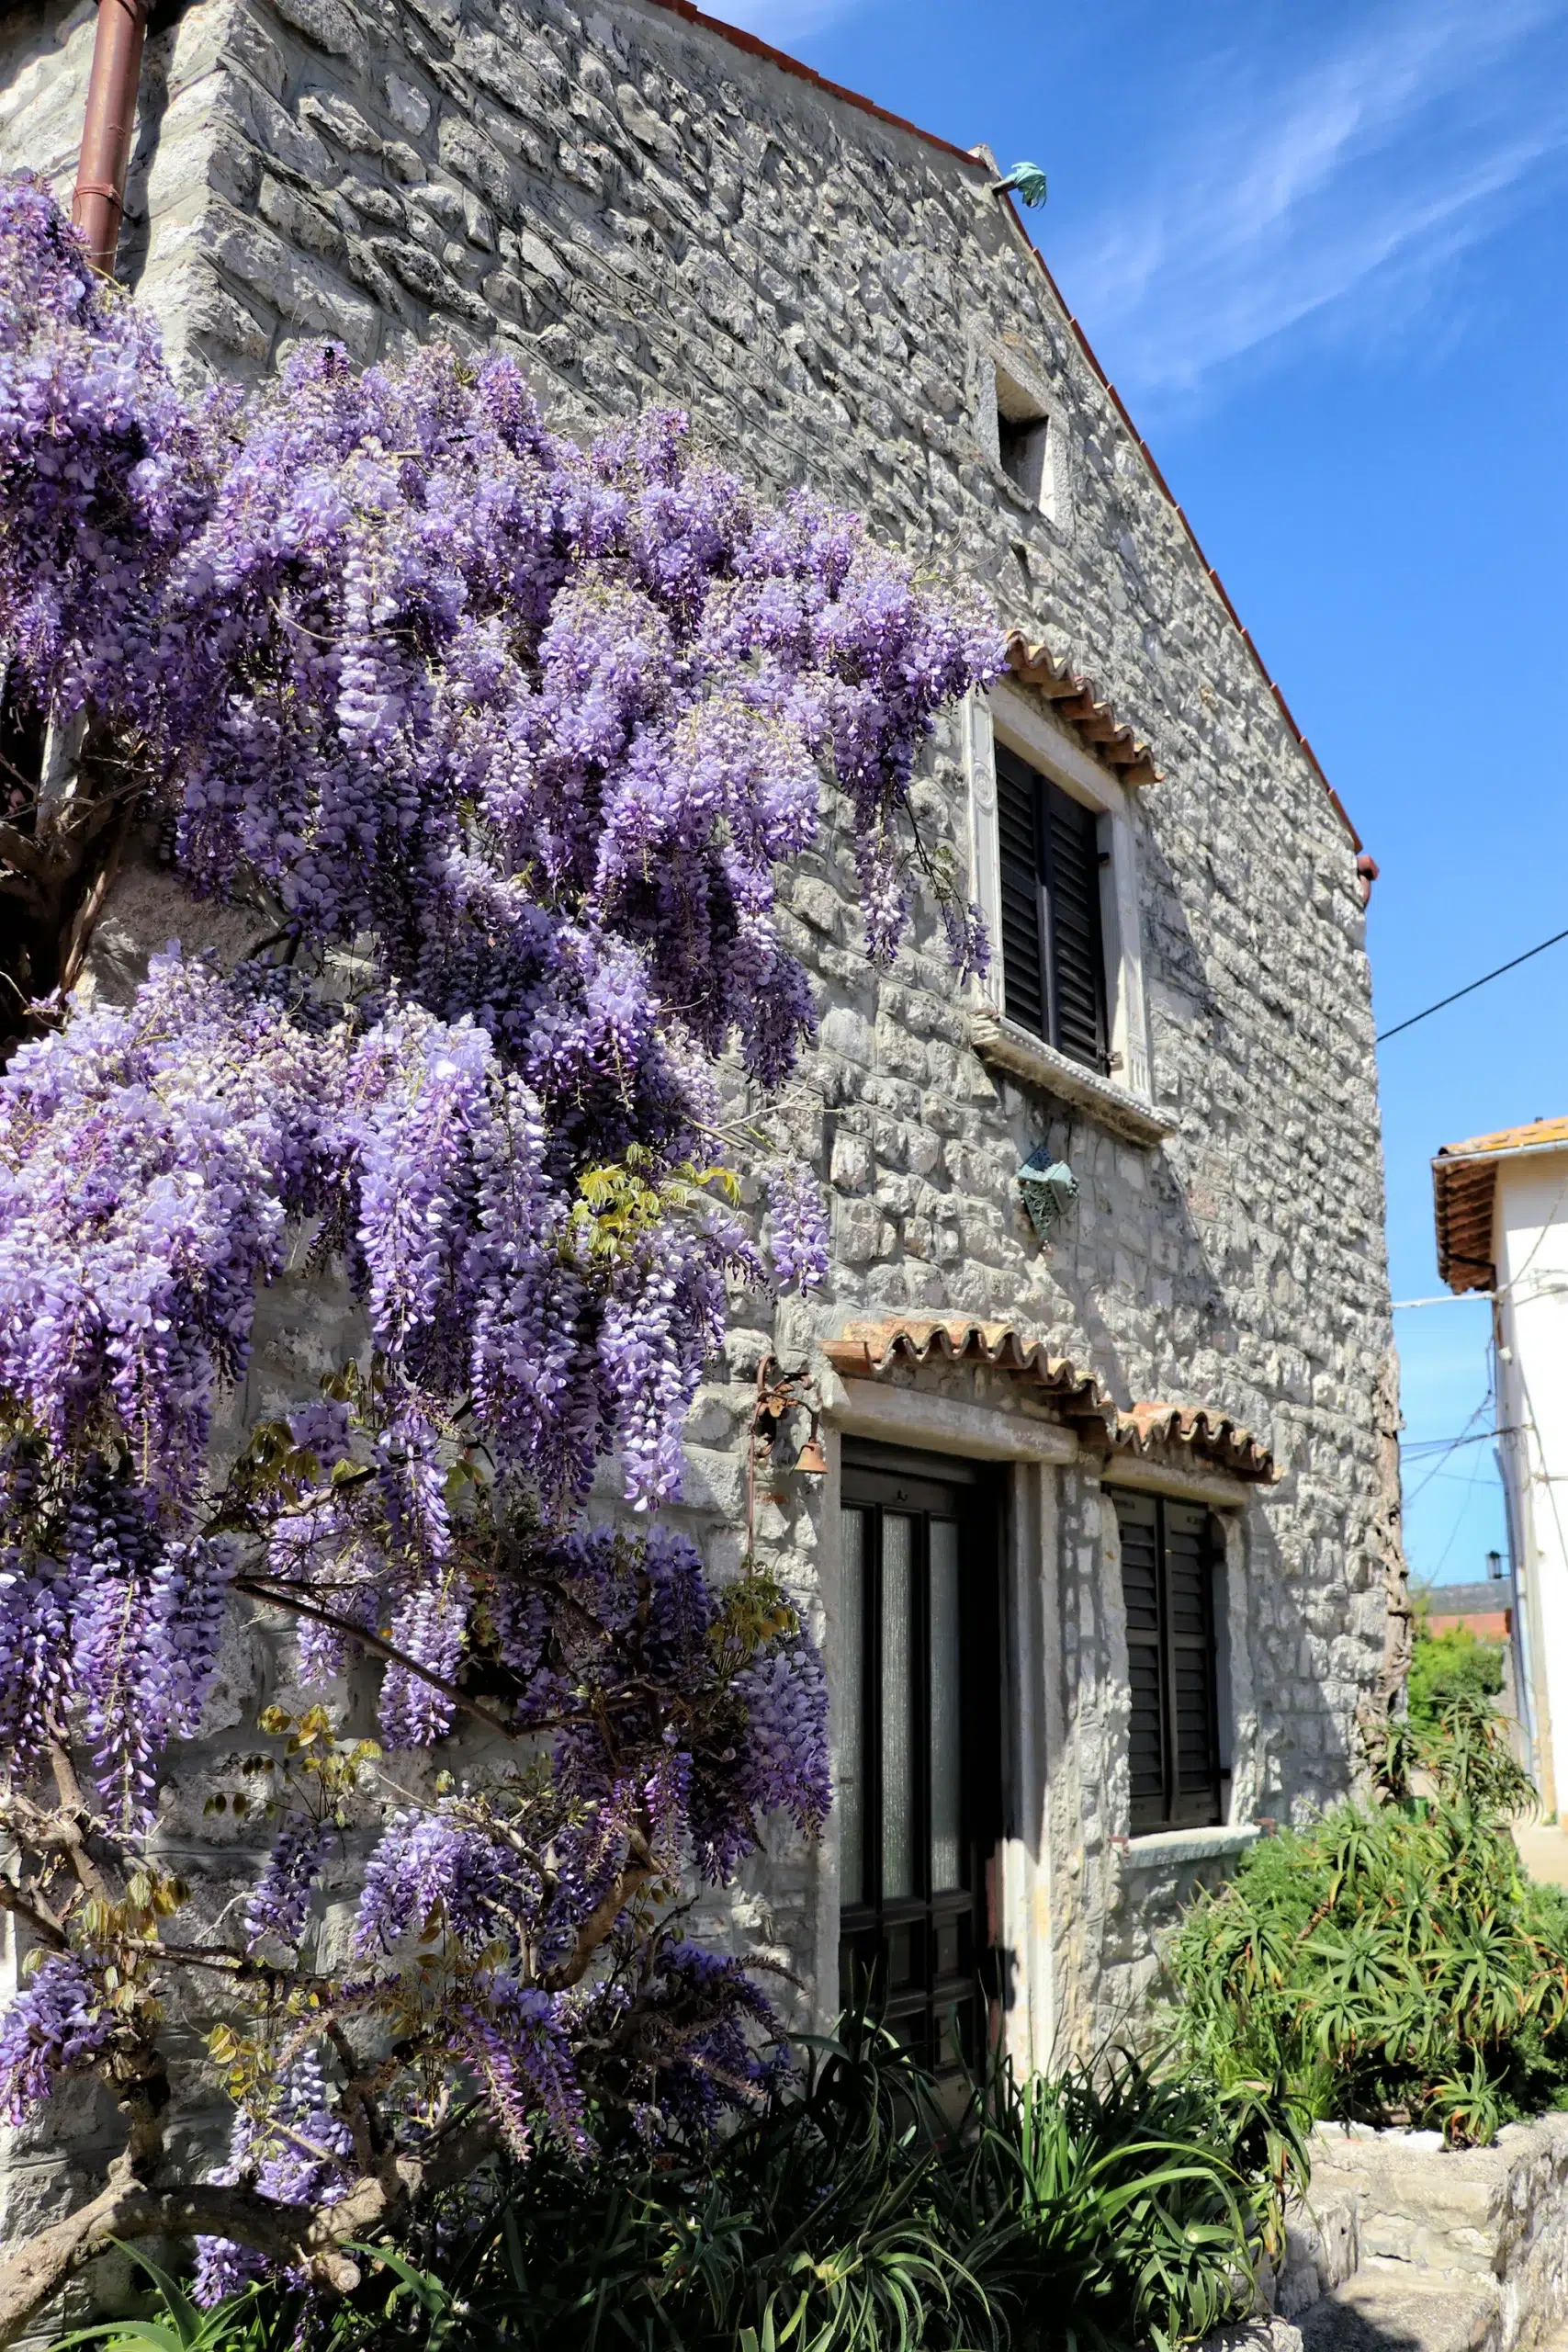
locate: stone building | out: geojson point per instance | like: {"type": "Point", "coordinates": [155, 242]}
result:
{"type": "Point", "coordinates": [1100, 1551]}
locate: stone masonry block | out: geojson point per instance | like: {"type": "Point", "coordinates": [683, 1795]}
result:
{"type": "Point", "coordinates": [330, 25]}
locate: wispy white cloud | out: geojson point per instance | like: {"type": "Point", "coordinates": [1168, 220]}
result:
{"type": "Point", "coordinates": [1321, 187]}
{"type": "Point", "coordinates": [779, 21]}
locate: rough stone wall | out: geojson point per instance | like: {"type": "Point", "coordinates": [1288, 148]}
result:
{"type": "Point", "coordinates": [645, 211]}
{"type": "Point", "coordinates": [1403, 2241]}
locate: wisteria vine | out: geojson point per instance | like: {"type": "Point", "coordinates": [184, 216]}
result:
{"type": "Point", "coordinates": [502, 743]}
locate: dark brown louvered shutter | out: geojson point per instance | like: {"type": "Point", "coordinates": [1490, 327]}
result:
{"type": "Point", "coordinates": [1139, 1525]}
{"type": "Point", "coordinates": [1190, 1621]}
{"type": "Point", "coordinates": [1167, 1582]}
{"type": "Point", "coordinates": [1023, 958]}
{"type": "Point", "coordinates": [1052, 949]}
{"type": "Point", "coordinates": [1076, 952]}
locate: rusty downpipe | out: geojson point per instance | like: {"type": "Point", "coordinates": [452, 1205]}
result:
{"type": "Point", "coordinates": [99, 205]}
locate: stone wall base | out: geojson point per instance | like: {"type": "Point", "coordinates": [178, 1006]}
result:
{"type": "Point", "coordinates": [1404, 2245]}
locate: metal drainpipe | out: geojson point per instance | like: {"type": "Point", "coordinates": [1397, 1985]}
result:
{"type": "Point", "coordinates": [98, 204]}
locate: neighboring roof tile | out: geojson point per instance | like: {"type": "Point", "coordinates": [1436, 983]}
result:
{"type": "Point", "coordinates": [865, 1349]}
{"type": "Point", "coordinates": [1076, 700]}
{"type": "Point", "coordinates": [1480, 1599]}
{"type": "Point", "coordinates": [1464, 1192]}
{"type": "Point", "coordinates": [1504, 1139]}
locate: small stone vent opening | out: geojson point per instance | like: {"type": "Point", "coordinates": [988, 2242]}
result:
{"type": "Point", "coordinates": [1024, 442]}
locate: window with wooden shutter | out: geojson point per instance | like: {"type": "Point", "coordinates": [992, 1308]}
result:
{"type": "Point", "coordinates": [1053, 950]}
{"type": "Point", "coordinates": [1169, 1555]}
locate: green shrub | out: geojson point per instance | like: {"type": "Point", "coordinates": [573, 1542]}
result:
{"type": "Point", "coordinates": [1112, 2208]}
{"type": "Point", "coordinates": [1392, 1964]}
{"type": "Point", "coordinates": [1450, 1668]}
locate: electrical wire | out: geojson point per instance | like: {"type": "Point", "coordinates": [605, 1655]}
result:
{"type": "Point", "coordinates": [1461, 1512]}
{"type": "Point", "coordinates": [1424, 1445]}
{"type": "Point", "coordinates": [1470, 987]}
{"type": "Point", "coordinates": [1452, 1446]}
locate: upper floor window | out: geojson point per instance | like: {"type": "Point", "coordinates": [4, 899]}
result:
{"type": "Point", "coordinates": [1170, 1557]}
{"type": "Point", "coordinates": [1026, 442]}
{"type": "Point", "coordinates": [1052, 942]}
{"type": "Point", "coordinates": [1055, 872]}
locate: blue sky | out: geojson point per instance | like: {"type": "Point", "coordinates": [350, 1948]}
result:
{"type": "Point", "coordinates": [1321, 250]}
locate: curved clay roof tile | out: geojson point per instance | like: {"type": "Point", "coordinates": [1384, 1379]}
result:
{"type": "Point", "coordinates": [1110, 738]}
{"type": "Point", "coordinates": [863, 1350]}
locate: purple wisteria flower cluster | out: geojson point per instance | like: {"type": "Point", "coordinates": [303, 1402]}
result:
{"type": "Point", "coordinates": [57, 2024]}
{"type": "Point", "coordinates": [504, 742]}
{"type": "Point", "coordinates": [799, 1220]}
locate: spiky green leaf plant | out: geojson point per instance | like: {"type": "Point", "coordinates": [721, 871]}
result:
{"type": "Point", "coordinates": [1391, 1964]}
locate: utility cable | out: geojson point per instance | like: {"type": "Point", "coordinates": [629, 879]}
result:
{"type": "Point", "coordinates": [1469, 989]}
{"type": "Point", "coordinates": [1428, 1445]}
{"type": "Point", "coordinates": [1485, 1406]}
{"type": "Point", "coordinates": [1460, 1510]}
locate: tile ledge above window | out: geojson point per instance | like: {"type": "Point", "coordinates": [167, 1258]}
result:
{"type": "Point", "coordinates": [1188, 1845]}
{"type": "Point", "coordinates": [1001, 1041]}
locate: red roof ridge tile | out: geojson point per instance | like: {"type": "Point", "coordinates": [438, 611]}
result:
{"type": "Point", "coordinates": [754, 47]}
{"type": "Point", "coordinates": [868, 1347]}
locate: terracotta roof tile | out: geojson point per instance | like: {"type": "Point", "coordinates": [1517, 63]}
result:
{"type": "Point", "coordinates": [865, 1349]}
{"type": "Point", "coordinates": [1076, 701]}
{"type": "Point", "coordinates": [1537, 1131]}
{"type": "Point", "coordinates": [739, 39]}
{"type": "Point", "coordinates": [1464, 1192]}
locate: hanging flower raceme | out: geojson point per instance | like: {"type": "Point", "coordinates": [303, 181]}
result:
{"type": "Point", "coordinates": [506, 741]}
{"type": "Point", "coordinates": [57, 2024]}
{"type": "Point", "coordinates": [105, 472]}
{"type": "Point", "coordinates": [298, 2153]}
{"type": "Point", "coordinates": [799, 1241]}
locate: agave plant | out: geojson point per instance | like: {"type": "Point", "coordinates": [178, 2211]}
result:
{"type": "Point", "coordinates": [1393, 1962]}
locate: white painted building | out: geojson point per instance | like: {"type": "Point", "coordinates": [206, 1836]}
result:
{"type": "Point", "coordinates": [1502, 1215]}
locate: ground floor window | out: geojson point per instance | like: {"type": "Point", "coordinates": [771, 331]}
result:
{"type": "Point", "coordinates": [1170, 1556]}
{"type": "Point", "coordinates": [919, 1766]}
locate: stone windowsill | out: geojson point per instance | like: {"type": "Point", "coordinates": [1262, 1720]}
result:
{"type": "Point", "coordinates": [999, 1040]}
{"type": "Point", "coordinates": [1189, 1845]}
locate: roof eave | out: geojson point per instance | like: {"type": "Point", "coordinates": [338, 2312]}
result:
{"type": "Point", "coordinates": [869, 1349]}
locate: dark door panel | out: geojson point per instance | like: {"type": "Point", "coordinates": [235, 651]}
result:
{"type": "Point", "coordinates": [919, 1765]}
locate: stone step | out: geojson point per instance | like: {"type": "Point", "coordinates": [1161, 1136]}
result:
{"type": "Point", "coordinates": [1398, 2307]}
